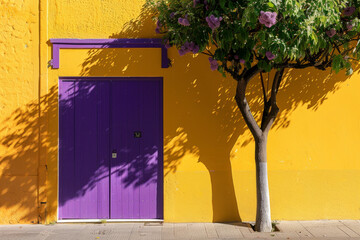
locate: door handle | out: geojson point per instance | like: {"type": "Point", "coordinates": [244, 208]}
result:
{"type": "Point", "coordinates": [137, 134]}
{"type": "Point", "coordinates": [114, 154]}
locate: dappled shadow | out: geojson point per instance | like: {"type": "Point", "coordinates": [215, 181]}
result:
{"type": "Point", "coordinates": [22, 180]}
{"type": "Point", "coordinates": [308, 87]}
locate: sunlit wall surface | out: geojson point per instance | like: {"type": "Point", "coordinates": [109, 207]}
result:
{"type": "Point", "coordinates": [209, 169]}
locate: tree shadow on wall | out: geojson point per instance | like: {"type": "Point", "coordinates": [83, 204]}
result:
{"type": "Point", "coordinates": [22, 182]}
{"type": "Point", "coordinates": [201, 116]}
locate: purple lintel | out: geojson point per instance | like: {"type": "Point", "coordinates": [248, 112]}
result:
{"type": "Point", "coordinates": [59, 43]}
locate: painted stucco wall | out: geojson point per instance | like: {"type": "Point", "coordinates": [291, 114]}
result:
{"type": "Point", "coordinates": [19, 110]}
{"type": "Point", "coordinates": [314, 167]}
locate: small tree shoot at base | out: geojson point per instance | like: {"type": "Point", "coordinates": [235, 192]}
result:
{"type": "Point", "coordinates": [256, 36]}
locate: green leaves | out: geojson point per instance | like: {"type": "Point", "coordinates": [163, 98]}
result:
{"type": "Point", "coordinates": [264, 65]}
{"type": "Point", "coordinates": [298, 34]}
{"type": "Point", "coordinates": [340, 62]}
{"type": "Point", "coordinates": [222, 3]}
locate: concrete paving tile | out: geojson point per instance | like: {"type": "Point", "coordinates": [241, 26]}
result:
{"type": "Point", "coordinates": [145, 232]}
{"type": "Point", "coordinates": [210, 230]}
{"type": "Point", "coordinates": [290, 226]}
{"type": "Point", "coordinates": [326, 231]}
{"type": "Point", "coordinates": [225, 231]}
{"type": "Point", "coordinates": [197, 231]}
{"type": "Point", "coordinates": [244, 227]}
{"type": "Point", "coordinates": [348, 231]}
{"type": "Point", "coordinates": [167, 231]}
{"type": "Point", "coordinates": [293, 227]}
{"type": "Point", "coordinates": [291, 235]}
{"type": "Point", "coordinates": [245, 230]}
{"type": "Point", "coordinates": [256, 235]}
{"type": "Point", "coordinates": [321, 223]}
{"type": "Point", "coordinates": [25, 236]}
{"type": "Point", "coordinates": [181, 231]}
{"type": "Point", "coordinates": [151, 229]}
{"type": "Point", "coordinates": [350, 222]}
{"type": "Point", "coordinates": [354, 227]}
{"type": "Point", "coordinates": [145, 236]}
{"type": "Point", "coordinates": [70, 236]}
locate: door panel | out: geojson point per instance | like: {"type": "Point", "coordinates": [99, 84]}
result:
{"type": "Point", "coordinates": [138, 141]}
{"type": "Point", "coordinates": [83, 150]}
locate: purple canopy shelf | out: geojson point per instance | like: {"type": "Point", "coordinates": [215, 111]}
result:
{"type": "Point", "coordinates": [107, 43]}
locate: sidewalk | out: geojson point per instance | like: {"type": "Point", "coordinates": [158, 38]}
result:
{"type": "Point", "coordinates": [332, 229]}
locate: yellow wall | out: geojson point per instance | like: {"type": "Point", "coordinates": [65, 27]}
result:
{"type": "Point", "coordinates": [314, 167]}
{"type": "Point", "coordinates": [19, 110]}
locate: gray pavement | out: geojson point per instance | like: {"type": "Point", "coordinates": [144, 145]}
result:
{"type": "Point", "coordinates": [325, 229]}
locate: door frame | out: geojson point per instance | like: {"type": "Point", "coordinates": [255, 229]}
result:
{"type": "Point", "coordinates": [161, 153]}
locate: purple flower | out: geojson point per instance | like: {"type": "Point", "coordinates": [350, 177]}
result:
{"type": "Point", "coordinates": [192, 47]}
{"type": "Point", "coordinates": [184, 21]}
{"type": "Point", "coordinates": [213, 64]}
{"type": "Point", "coordinates": [242, 61]}
{"type": "Point", "coordinates": [189, 47]}
{"type": "Point", "coordinates": [236, 57]}
{"type": "Point", "coordinates": [195, 49]}
{"type": "Point", "coordinates": [349, 11]}
{"type": "Point", "coordinates": [270, 55]}
{"type": "Point", "coordinates": [172, 15]}
{"type": "Point", "coordinates": [331, 32]}
{"type": "Point", "coordinates": [158, 26]}
{"type": "Point", "coordinates": [167, 44]}
{"type": "Point", "coordinates": [206, 5]}
{"type": "Point", "coordinates": [183, 51]}
{"type": "Point", "coordinates": [349, 26]}
{"type": "Point", "coordinates": [268, 18]}
{"type": "Point", "coordinates": [213, 22]}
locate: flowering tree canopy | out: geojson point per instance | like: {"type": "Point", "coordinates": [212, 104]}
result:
{"type": "Point", "coordinates": [248, 37]}
{"type": "Point", "coordinates": [269, 33]}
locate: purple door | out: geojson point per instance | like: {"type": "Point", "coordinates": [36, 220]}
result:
{"type": "Point", "coordinates": [110, 148]}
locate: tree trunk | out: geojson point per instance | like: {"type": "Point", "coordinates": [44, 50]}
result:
{"type": "Point", "coordinates": [263, 216]}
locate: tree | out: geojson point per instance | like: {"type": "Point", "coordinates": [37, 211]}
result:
{"type": "Point", "coordinates": [256, 36]}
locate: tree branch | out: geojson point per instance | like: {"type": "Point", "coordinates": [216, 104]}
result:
{"type": "Point", "coordinates": [244, 106]}
{"type": "Point", "coordinates": [207, 54]}
{"type": "Point", "coordinates": [234, 74]}
{"type": "Point", "coordinates": [269, 120]}
{"type": "Point", "coordinates": [263, 87]}
{"type": "Point", "coordinates": [250, 73]}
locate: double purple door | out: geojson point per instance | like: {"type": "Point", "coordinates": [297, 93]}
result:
{"type": "Point", "coordinates": [110, 148]}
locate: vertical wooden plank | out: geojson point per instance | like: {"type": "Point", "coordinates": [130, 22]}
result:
{"type": "Point", "coordinates": [86, 147]}
{"type": "Point", "coordinates": [103, 116]}
{"type": "Point", "coordinates": [160, 173]}
{"type": "Point", "coordinates": [149, 147]}
{"type": "Point", "coordinates": [66, 148]}
{"type": "Point", "coordinates": [124, 121]}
